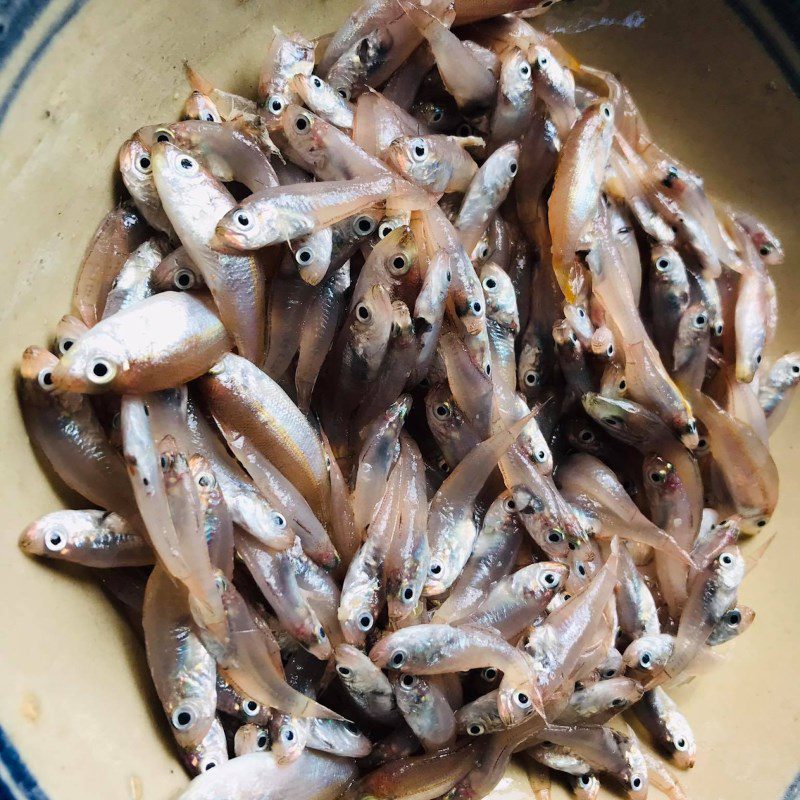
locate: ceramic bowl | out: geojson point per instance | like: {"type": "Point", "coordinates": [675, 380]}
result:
{"type": "Point", "coordinates": [716, 82]}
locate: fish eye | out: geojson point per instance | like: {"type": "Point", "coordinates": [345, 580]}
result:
{"type": "Point", "coordinates": [398, 658]}
{"type": "Point", "coordinates": [464, 130]}
{"type": "Point", "coordinates": [365, 225]}
{"type": "Point", "coordinates": [399, 264]}
{"type": "Point", "coordinates": [209, 117]}
{"type": "Point", "coordinates": [636, 782]}
{"type": "Point", "coordinates": [622, 385]}
{"type": "Point", "coordinates": [605, 110]}
{"type": "Point", "coordinates": [251, 707]}
{"type": "Point", "coordinates": [408, 594]}
{"type": "Point", "coordinates": [363, 313]}
{"type": "Point", "coordinates": [612, 421]}
{"type": "Point", "coordinates": [761, 523]}
{"type": "Point", "coordinates": [65, 344]}
{"type": "Point", "coordinates": [656, 477]}
{"type": "Point", "coordinates": [555, 537]}
{"type": "Point", "coordinates": [317, 82]}
{"type": "Point", "coordinates": [531, 378]}
{"type": "Point", "coordinates": [343, 671]}
{"type": "Point", "coordinates": [206, 480]}
{"type": "Point", "coordinates": [645, 660]}
{"type": "Point", "coordinates": [419, 150]}
{"type": "Point", "coordinates": [476, 307]}
{"type": "Point", "coordinates": [183, 718]}
{"type": "Point", "coordinates": [275, 104]}
{"type": "Point", "coordinates": [351, 727]}
{"type": "Point", "coordinates": [522, 700]}
{"type": "Point", "coordinates": [449, 277]}
{"type": "Point", "coordinates": [442, 411]}
{"type": "Point", "coordinates": [205, 766]}
{"type": "Point", "coordinates": [437, 115]}
{"type": "Point", "coordinates": [304, 255]}
{"type": "Point", "coordinates": [484, 251]}
{"type": "Point", "coordinates": [540, 456]}
{"type": "Point", "coordinates": [509, 505]}
{"type": "Point", "coordinates": [365, 621]}
{"type": "Point", "coordinates": [542, 61]}
{"type": "Point", "coordinates": [184, 279]}
{"type": "Point", "coordinates": [435, 568]}
{"type": "Point", "coordinates": [550, 579]}
{"type": "Point", "coordinates": [343, 92]}
{"type": "Point", "coordinates": [261, 741]}
{"type": "Point", "coordinates": [610, 351]}
{"type": "Point", "coordinates": [144, 165]}
{"type": "Point", "coordinates": [243, 220]}
{"type": "Point", "coordinates": [287, 733]}
{"type": "Point", "coordinates": [100, 371]}
{"type": "Point", "coordinates": [726, 559]}
{"type": "Point", "coordinates": [45, 379]}
{"type": "Point", "coordinates": [586, 435]}
{"type": "Point", "coordinates": [489, 284]}
{"type": "Point", "coordinates": [765, 249]}
{"type": "Point", "coordinates": [444, 466]}
{"type": "Point", "coordinates": [476, 729]}
{"type": "Point", "coordinates": [680, 744]}
{"type": "Point", "coordinates": [512, 168]}
{"type": "Point", "coordinates": [719, 328]}
{"type": "Point", "coordinates": [524, 69]}
{"type": "Point", "coordinates": [278, 519]}
{"type": "Point", "coordinates": [188, 165]}
{"type": "Point", "coordinates": [700, 320]}
{"type": "Point", "coordinates": [609, 673]}
{"type": "Point", "coordinates": [489, 674]}
{"type": "Point", "coordinates": [408, 681]}
{"type": "Point", "coordinates": [617, 702]}
{"type": "Point", "coordinates": [581, 570]}
{"type": "Point", "coordinates": [488, 369]}
{"type": "Point", "coordinates": [662, 264]}
{"type": "Point", "coordinates": [385, 230]}
{"type": "Point", "coordinates": [303, 123]}
{"type": "Point", "coordinates": [583, 780]}
{"type": "Point", "coordinates": [734, 617]}
{"type": "Point", "coordinates": [758, 358]}
{"type": "Point", "coordinates": [702, 446]}
{"type": "Point", "coordinates": [55, 540]}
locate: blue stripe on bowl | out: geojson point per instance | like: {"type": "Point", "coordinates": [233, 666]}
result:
{"type": "Point", "coordinates": [16, 781]}
{"type": "Point", "coordinates": [33, 59]}
{"type": "Point", "coordinates": [16, 16]}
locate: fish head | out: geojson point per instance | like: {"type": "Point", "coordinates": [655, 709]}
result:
{"type": "Point", "coordinates": [356, 618]}
{"type": "Point", "coordinates": [785, 372]}
{"type": "Point", "coordinates": [305, 132]}
{"type": "Point", "coordinates": [250, 738]}
{"type": "Point", "coordinates": [92, 365]}
{"type": "Point", "coordinates": [623, 419]}
{"type": "Point", "coordinates": [399, 252]}
{"type": "Point", "coordinates": [136, 167]}
{"type": "Point", "coordinates": [190, 716]}
{"type": "Point", "coordinates": [529, 370]}
{"type": "Point", "coordinates": [446, 557]}
{"type": "Point", "coordinates": [586, 787]}
{"type": "Point", "coordinates": [648, 655]}
{"type": "Point", "coordinates": [680, 739]}
{"type": "Point", "coordinates": [612, 666]}
{"type": "Point", "coordinates": [414, 157]}
{"type": "Point", "coordinates": [289, 737]}
{"type": "Point", "coordinates": [53, 534]}
{"type": "Point", "coordinates": [660, 476]}
{"type": "Point", "coordinates": [500, 297]}
{"type": "Point", "coordinates": [201, 106]}
{"type": "Point", "coordinates": [516, 703]}
{"type": "Point", "coordinates": [516, 76]}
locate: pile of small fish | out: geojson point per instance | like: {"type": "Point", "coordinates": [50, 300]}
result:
{"type": "Point", "coordinates": [422, 404]}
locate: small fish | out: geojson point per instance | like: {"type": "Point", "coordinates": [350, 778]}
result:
{"type": "Point", "coordinates": [369, 688]}
{"type": "Point", "coordinates": [118, 235]}
{"type": "Point", "coordinates": [576, 193]}
{"type": "Point", "coordinates": [775, 393]}
{"type": "Point", "coordinates": [554, 83]}
{"type": "Point", "coordinates": [668, 727]}
{"type": "Point", "coordinates": [134, 281]}
{"type": "Point", "coordinates": [324, 100]}
{"type": "Point", "coordinates": [433, 649]}
{"type": "Point", "coordinates": [92, 538]}
{"type": "Point", "coordinates": [426, 711]}
{"type": "Point", "coordinates": [136, 168]}
{"type": "Point", "coordinates": [436, 162]}
{"type": "Point", "coordinates": [515, 98]}
{"type": "Point", "coordinates": [287, 56]}
{"type": "Point", "coordinates": [250, 738]}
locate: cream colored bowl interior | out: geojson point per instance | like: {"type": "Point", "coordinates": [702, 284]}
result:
{"type": "Point", "coordinates": [76, 698]}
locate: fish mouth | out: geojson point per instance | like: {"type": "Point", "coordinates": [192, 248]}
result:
{"type": "Point", "coordinates": [221, 242]}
